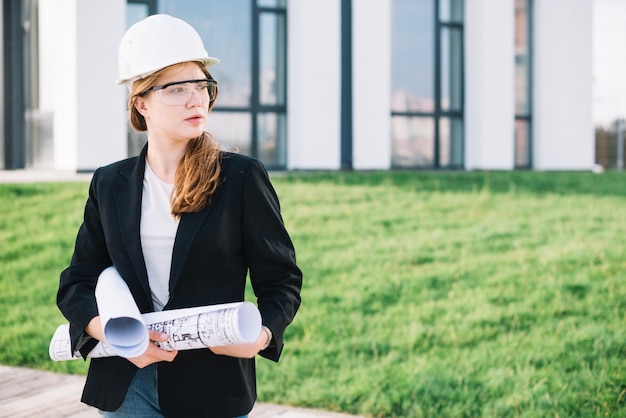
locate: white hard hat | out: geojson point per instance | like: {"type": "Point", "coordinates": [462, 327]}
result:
{"type": "Point", "coordinates": [156, 42]}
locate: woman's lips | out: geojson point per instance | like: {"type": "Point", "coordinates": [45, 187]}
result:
{"type": "Point", "coordinates": [195, 119]}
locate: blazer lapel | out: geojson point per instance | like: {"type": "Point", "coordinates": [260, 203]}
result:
{"type": "Point", "coordinates": [128, 192]}
{"type": "Point", "coordinates": [190, 224]}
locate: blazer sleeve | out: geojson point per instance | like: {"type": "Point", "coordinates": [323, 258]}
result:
{"type": "Point", "coordinates": [269, 251]}
{"type": "Point", "coordinates": [76, 293]}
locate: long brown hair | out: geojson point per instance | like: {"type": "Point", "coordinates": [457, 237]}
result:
{"type": "Point", "coordinates": [198, 173]}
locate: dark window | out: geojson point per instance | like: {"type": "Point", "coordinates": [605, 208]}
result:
{"type": "Point", "coordinates": [249, 37]}
{"type": "Point", "coordinates": [523, 77]}
{"type": "Point", "coordinates": [27, 130]}
{"type": "Point", "coordinates": [413, 142]}
{"type": "Point", "coordinates": [427, 84]}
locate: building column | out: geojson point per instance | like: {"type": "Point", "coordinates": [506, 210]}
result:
{"type": "Point", "coordinates": [314, 70]}
{"type": "Point", "coordinates": [563, 134]}
{"type": "Point", "coordinates": [79, 42]}
{"type": "Point", "coordinates": [371, 84]}
{"type": "Point", "coordinates": [489, 84]}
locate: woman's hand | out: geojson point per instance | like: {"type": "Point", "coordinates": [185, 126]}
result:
{"type": "Point", "coordinates": [154, 353]}
{"type": "Point", "coordinates": [243, 350]}
{"type": "Point", "coordinates": [94, 328]}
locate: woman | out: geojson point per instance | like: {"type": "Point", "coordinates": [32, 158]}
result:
{"type": "Point", "coordinates": [183, 223]}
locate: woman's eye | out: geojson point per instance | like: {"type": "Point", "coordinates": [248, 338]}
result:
{"type": "Point", "coordinates": [176, 90]}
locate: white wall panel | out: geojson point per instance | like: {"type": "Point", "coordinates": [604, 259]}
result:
{"type": "Point", "coordinates": [58, 67]}
{"type": "Point", "coordinates": [371, 87]}
{"type": "Point", "coordinates": [489, 84]}
{"type": "Point", "coordinates": [314, 70]}
{"type": "Point", "coordinates": [78, 67]}
{"type": "Point", "coordinates": [563, 135]}
{"type": "Point", "coordinates": [101, 116]}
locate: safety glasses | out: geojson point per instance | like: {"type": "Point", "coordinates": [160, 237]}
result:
{"type": "Point", "coordinates": [179, 93]}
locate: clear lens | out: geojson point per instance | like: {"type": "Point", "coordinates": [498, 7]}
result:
{"type": "Point", "coordinates": [181, 94]}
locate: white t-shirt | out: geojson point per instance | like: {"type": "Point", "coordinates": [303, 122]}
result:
{"type": "Point", "coordinates": [158, 230]}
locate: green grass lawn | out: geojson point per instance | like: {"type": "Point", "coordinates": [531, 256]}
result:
{"type": "Point", "coordinates": [425, 294]}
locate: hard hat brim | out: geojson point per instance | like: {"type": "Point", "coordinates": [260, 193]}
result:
{"type": "Point", "coordinates": [206, 61]}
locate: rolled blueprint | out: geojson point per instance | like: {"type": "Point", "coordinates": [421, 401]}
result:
{"type": "Point", "coordinates": [189, 328]}
{"type": "Point", "coordinates": [235, 323]}
{"type": "Point", "coordinates": [124, 330]}
{"type": "Point", "coordinates": [60, 346]}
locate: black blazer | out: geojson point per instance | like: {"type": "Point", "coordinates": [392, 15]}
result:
{"type": "Point", "coordinates": [240, 231]}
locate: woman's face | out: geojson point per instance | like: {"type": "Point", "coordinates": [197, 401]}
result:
{"type": "Point", "coordinates": [175, 122]}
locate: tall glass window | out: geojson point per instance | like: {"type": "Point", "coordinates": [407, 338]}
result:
{"type": "Point", "coordinates": [27, 140]}
{"type": "Point", "coordinates": [249, 37]}
{"type": "Point", "coordinates": [413, 54]}
{"type": "Point", "coordinates": [427, 84]}
{"type": "Point", "coordinates": [269, 111]}
{"type": "Point", "coordinates": [523, 73]}
{"type": "Point", "coordinates": [37, 125]}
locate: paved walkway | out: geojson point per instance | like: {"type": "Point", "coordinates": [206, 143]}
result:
{"type": "Point", "coordinates": [27, 393]}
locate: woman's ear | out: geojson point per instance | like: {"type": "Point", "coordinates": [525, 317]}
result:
{"type": "Point", "coordinates": [140, 105]}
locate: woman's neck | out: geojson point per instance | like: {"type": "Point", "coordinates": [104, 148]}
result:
{"type": "Point", "coordinates": [164, 159]}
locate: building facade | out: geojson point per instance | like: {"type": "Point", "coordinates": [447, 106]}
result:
{"type": "Point", "coordinates": [317, 84]}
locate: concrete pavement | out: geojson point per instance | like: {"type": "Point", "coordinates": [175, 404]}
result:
{"type": "Point", "coordinates": [27, 393]}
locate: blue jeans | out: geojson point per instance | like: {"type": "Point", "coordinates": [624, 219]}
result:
{"type": "Point", "coordinates": [142, 398]}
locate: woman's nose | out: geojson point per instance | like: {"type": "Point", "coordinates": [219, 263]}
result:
{"type": "Point", "coordinates": [194, 99]}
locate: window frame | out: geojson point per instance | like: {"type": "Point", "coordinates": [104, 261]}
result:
{"type": "Point", "coordinates": [438, 113]}
{"type": "Point", "coordinates": [256, 109]}
{"type": "Point", "coordinates": [525, 117]}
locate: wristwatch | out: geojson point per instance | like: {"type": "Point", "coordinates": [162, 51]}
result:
{"type": "Point", "coordinates": [269, 339]}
